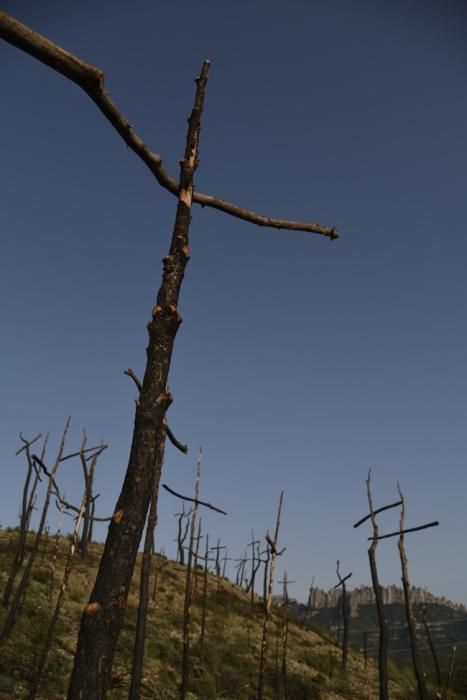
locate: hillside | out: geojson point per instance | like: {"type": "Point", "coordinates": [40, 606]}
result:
{"type": "Point", "coordinates": [225, 667]}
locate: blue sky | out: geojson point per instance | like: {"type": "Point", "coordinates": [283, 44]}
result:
{"type": "Point", "coordinates": [300, 362]}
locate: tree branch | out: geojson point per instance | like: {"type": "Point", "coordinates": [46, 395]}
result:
{"type": "Point", "coordinates": [435, 523]}
{"type": "Point", "coordinates": [176, 443]}
{"type": "Point", "coordinates": [375, 512]}
{"type": "Point", "coordinates": [193, 500]}
{"type": "Point", "coordinates": [91, 80]}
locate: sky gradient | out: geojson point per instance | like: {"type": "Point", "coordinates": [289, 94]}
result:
{"type": "Point", "coordinates": [301, 362]}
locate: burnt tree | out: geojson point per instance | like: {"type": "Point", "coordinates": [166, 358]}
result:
{"type": "Point", "coordinates": [345, 615]}
{"type": "Point", "coordinates": [103, 617]}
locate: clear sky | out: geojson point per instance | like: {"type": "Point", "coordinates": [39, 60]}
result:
{"type": "Point", "coordinates": [300, 362]}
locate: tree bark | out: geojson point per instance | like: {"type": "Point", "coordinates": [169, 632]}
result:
{"type": "Point", "coordinates": [102, 618]}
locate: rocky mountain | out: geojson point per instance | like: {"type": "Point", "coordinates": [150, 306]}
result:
{"type": "Point", "coordinates": [445, 621]}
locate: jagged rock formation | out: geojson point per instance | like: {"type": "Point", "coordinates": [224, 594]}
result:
{"type": "Point", "coordinates": [364, 595]}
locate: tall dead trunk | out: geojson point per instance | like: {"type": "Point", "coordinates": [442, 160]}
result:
{"type": "Point", "coordinates": [285, 634]}
{"type": "Point", "coordinates": [189, 591]}
{"type": "Point", "coordinates": [416, 659]}
{"type": "Point", "coordinates": [382, 621]}
{"type": "Point", "coordinates": [59, 602]}
{"type": "Point", "coordinates": [10, 619]}
{"type": "Point", "coordinates": [143, 605]}
{"type": "Point", "coordinates": [345, 616]}
{"type": "Point", "coordinates": [103, 616]}
{"type": "Point", "coordinates": [431, 644]}
{"type": "Point", "coordinates": [205, 592]}
{"type": "Point", "coordinates": [27, 505]}
{"type": "Point", "coordinates": [267, 611]}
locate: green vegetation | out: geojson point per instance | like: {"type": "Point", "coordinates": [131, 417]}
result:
{"type": "Point", "coordinates": [224, 667]}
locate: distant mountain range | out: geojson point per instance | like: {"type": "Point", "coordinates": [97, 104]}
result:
{"type": "Point", "coordinates": [446, 621]}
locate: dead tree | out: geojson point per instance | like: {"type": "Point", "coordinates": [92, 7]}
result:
{"type": "Point", "coordinates": [416, 658]}
{"type": "Point", "coordinates": [205, 592]}
{"type": "Point", "coordinates": [88, 475]}
{"type": "Point", "coordinates": [182, 533]}
{"type": "Point", "coordinates": [225, 559]}
{"type": "Point", "coordinates": [10, 618]}
{"type": "Point", "coordinates": [430, 642]}
{"type": "Point", "coordinates": [184, 688]}
{"type": "Point", "coordinates": [189, 591]}
{"type": "Point", "coordinates": [217, 548]}
{"type": "Point", "coordinates": [196, 559]}
{"type": "Point", "coordinates": [267, 611]}
{"type": "Point", "coordinates": [309, 603]}
{"type": "Point", "coordinates": [255, 564]}
{"type": "Point", "coordinates": [143, 605]}
{"type": "Point", "coordinates": [266, 561]}
{"type": "Point", "coordinates": [60, 598]}
{"type": "Point", "coordinates": [27, 505]}
{"type": "Point", "coordinates": [450, 674]}
{"type": "Point", "coordinates": [382, 620]}
{"type": "Point", "coordinates": [345, 615]}
{"type": "Point", "coordinates": [285, 632]}
{"type": "Point", "coordinates": [140, 634]}
{"type": "Point", "coordinates": [102, 618]}
{"type": "Point", "coordinates": [161, 563]}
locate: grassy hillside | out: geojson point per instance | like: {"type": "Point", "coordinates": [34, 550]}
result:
{"type": "Point", "coordinates": [224, 667]}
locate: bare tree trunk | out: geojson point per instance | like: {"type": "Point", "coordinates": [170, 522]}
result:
{"type": "Point", "coordinates": [140, 634]}
{"type": "Point", "coordinates": [23, 584]}
{"type": "Point", "coordinates": [416, 660]}
{"type": "Point", "coordinates": [189, 591]}
{"type": "Point", "coordinates": [58, 604]}
{"type": "Point", "coordinates": [205, 592]}
{"type": "Point", "coordinates": [345, 616]}
{"type": "Point", "coordinates": [450, 674]}
{"type": "Point", "coordinates": [26, 510]}
{"type": "Point", "coordinates": [267, 612]}
{"type": "Point", "coordinates": [431, 645]}
{"type": "Point", "coordinates": [265, 577]}
{"type": "Point", "coordinates": [103, 616]}
{"type": "Point", "coordinates": [285, 636]}
{"type": "Point", "coordinates": [382, 621]}
{"type": "Point", "coordinates": [309, 603]}
{"type": "Point", "coordinates": [88, 474]}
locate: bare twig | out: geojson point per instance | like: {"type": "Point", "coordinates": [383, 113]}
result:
{"type": "Point", "coordinates": [193, 500]}
{"type": "Point", "coordinates": [91, 80]}
{"type": "Point", "coordinates": [176, 443]}
{"type": "Point", "coordinates": [98, 448]}
{"type": "Point", "coordinates": [132, 374]}
{"type": "Point", "coordinates": [27, 443]}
